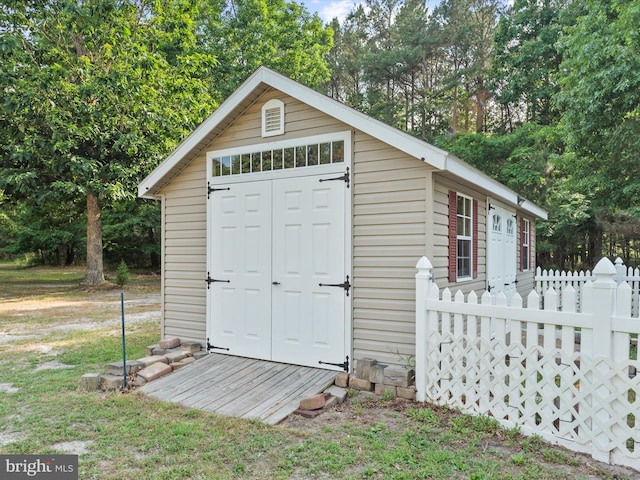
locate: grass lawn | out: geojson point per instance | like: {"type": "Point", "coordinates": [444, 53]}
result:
{"type": "Point", "coordinates": [52, 331]}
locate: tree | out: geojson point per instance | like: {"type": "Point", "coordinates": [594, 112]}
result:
{"type": "Point", "coordinates": [95, 93]}
{"type": "Point", "coordinates": [600, 91]}
{"type": "Point", "coordinates": [344, 58]}
{"type": "Point", "coordinates": [599, 97]}
{"type": "Point", "coordinates": [244, 34]}
{"type": "Point", "coordinates": [466, 37]}
{"type": "Point", "coordinates": [526, 60]}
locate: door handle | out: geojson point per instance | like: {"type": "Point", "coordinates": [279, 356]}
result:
{"type": "Point", "coordinates": [275, 283]}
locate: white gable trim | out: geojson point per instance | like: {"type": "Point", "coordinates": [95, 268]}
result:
{"type": "Point", "coordinates": [430, 154]}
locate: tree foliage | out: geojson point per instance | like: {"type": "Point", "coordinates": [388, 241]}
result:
{"type": "Point", "coordinates": [527, 60]}
{"type": "Point", "coordinates": [95, 92]}
{"type": "Point", "coordinates": [244, 34]}
{"type": "Point", "coordinates": [543, 95]}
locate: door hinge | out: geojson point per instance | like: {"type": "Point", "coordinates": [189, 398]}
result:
{"type": "Point", "coordinates": [344, 365]}
{"type": "Point", "coordinates": [210, 280]}
{"type": "Point", "coordinates": [346, 178]}
{"type": "Point", "coordinates": [213, 189]}
{"type": "Point", "coordinates": [346, 285]}
{"type": "Point", "coordinates": [213, 347]}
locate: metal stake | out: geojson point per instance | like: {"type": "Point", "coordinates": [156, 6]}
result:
{"type": "Point", "coordinates": [124, 348]}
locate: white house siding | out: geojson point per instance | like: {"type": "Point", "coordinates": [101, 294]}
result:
{"type": "Point", "coordinates": [389, 234]}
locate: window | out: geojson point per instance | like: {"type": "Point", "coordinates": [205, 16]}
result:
{"type": "Point", "coordinates": [464, 237]}
{"type": "Point", "coordinates": [305, 155]}
{"type": "Point", "coordinates": [273, 118]}
{"type": "Point", "coordinates": [510, 227]}
{"type": "Point", "coordinates": [525, 245]}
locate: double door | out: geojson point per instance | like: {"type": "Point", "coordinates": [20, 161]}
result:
{"type": "Point", "coordinates": [501, 251]}
{"type": "Point", "coordinates": [277, 281]}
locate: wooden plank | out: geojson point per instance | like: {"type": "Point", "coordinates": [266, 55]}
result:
{"type": "Point", "coordinates": [322, 382]}
{"type": "Point", "coordinates": [170, 386]}
{"type": "Point", "coordinates": [286, 402]}
{"type": "Point", "coordinates": [265, 393]}
{"type": "Point", "coordinates": [207, 387]}
{"type": "Point", "coordinates": [241, 387]}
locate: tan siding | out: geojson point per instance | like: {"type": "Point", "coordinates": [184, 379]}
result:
{"type": "Point", "coordinates": [379, 320]}
{"type": "Point", "coordinates": [387, 207]}
{"type": "Point", "coordinates": [184, 223]}
{"type": "Point", "coordinates": [300, 121]}
{"type": "Point", "coordinates": [389, 232]}
{"type": "Point", "coordinates": [440, 250]}
{"type": "Point", "coordinates": [184, 266]}
{"type": "Point", "coordinates": [393, 226]}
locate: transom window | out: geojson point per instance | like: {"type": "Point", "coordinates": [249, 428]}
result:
{"type": "Point", "coordinates": [464, 237]}
{"type": "Point", "coordinates": [307, 155]}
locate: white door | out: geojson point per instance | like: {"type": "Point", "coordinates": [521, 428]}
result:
{"type": "Point", "coordinates": [240, 270]}
{"type": "Point", "coordinates": [277, 249]}
{"type": "Point", "coordinates": [308, 261]}
{"type": "Point", "coordinates": [501, 251]}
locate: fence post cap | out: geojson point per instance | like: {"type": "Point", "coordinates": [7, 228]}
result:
{"type": "Point", "coordinates": [424, 264]}
{"type": "Point", "coordinates": [604, 270]}
{"type": "Point", "coordinates": [619, 261]}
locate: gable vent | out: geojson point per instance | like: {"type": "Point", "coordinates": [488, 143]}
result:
{"type": "Point", "coordinates": [273, 118]}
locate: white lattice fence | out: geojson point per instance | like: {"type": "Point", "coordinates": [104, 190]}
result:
{"type": "Point", "coordinates": [566, 376]}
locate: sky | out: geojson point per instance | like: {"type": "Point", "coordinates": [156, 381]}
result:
{"type": "Point", "coordinates": [328, 9]}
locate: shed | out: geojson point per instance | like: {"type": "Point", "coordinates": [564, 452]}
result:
{"type": "Point", "coordinates": [291, 226]}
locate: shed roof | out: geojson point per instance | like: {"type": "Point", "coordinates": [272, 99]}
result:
{"type": "Point", "coordinates": [263, 79]}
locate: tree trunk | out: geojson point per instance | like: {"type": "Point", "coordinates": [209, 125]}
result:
{"type": "Point", "coordinates": [481, 98]}
{"type": "Point", "coordinates": [95, 274]}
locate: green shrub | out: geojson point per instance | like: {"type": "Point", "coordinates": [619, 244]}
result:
{"type": "Point", "coordinates": [122, 274]}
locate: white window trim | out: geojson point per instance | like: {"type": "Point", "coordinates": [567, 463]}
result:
{"type": "Point", "coordinates": [526, 243]}
{"type": "Point", "coordinates": [276, 145]}
{"type": "Point", "coordinates": [469, 277]}
{"type": "Point", "coordinates": [268, 107]}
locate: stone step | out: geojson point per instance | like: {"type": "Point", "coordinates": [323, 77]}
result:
{"type": "Point", "coordinates": [116, 368]}
{"type": "Point", "coordinates": [111, 382]}
{"type": "Point", "coordinates": [154, 371]}
{"type": "Point", "coordinates": [151, 359]}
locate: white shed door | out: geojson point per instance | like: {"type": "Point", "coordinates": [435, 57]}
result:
{"type": "Point", "coordinates": [240, 278]}
{"type": "Point", "coordinates": [501, 251]}
{"type": "Point", "coordinates": [308, 253]}
{"type": "Point", "coordinates": [278, 246]}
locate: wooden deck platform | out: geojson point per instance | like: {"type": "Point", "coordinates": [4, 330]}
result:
{"type": "Point", "coordinates": [241, 387]}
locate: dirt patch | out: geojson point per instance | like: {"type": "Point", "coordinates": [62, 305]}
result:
{"type": "Point", "coordinates": [7, 438]}
{"type": "Point", "coordinates": [52, 366]}
{"type": "Point", "coordinates": [8, 388]}
{"type": "Point", "coordinates": [76, 447]}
